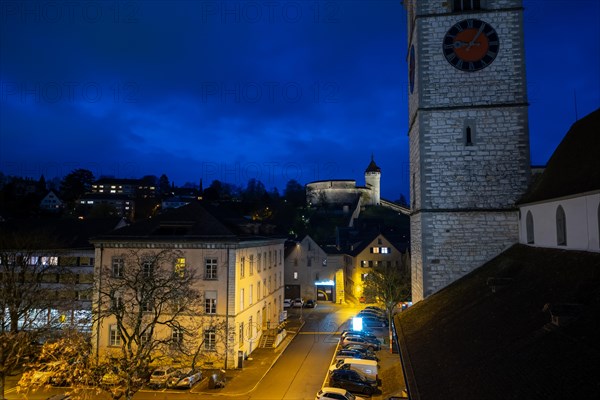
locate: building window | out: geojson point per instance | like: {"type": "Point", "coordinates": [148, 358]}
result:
{"type": "Point", "coordinates": [561, 227]}
{"type": "Point", "coordinates": [210, 340]}
{"type": "Point", "coordinates": [210, 302]}
{"type": "Point", "coordinates": [280, 257]}
{"type": "Point", "coordinates": [241, 334]}
{"type": "Point", "coordinates": [251, 294]}
{"type": "Point", "coordinates": [466, 5]}
{"type": "Point", "coordinates": [242, 267]}
{"type": "Point", "coordinates": [241, 298]}
{"type": "Point", "coordinates": [529, 227]}
{"type": "Point", "coordinates": [145, 337]}
{"type": "Point", "coordinates": [251, 265]}
{"type": "Point", "coordinates": [258, 291]}
{"type": "Point", "coordinates": [468, 136]}
{"type": "Point", "coordinates": [118, 267]}
{"type": "Point", "coordinates": [270, 258]}
{"type": "Point", "coordinates": [210, 269]}
{"type": "Point", "coordinates": [113, 336]}
{"type": "Point", "coordinates": [363, 277]}
{"type": "Point", "coordinates": [117, 303]}
{"type": "Point", "coordinates": [147, 268]}
{"type": "Point", "coordinates": [265, 287]}
{"type": "Point", "coordinates": [375, 250]}
{"type": "Point", "coordinates": [177, 335]}
{"type": "Point", "coordinates": [363, 263]}
{"type": "Point", "coordinates": [259, 263]}
{"type": "Point", "coordinates": [180, 267]}
{"type": "Point", "coordinates": [295, 275]}
{"type": "Point", "coordinates": [385, 250]}
{"type": "Point", "coordinates": [370, 263]}
{"type": "Point", "coordinates": [146, 305]}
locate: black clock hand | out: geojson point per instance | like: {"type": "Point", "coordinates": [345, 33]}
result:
{"type": "Point", "coordinates": [472, 42]}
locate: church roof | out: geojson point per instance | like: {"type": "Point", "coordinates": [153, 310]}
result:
{"type": "Point", "coordinates": [574, 167]}
{"type": "Point", "coordinates": [373, 167]}
{"type": "Point", "coordinates": [523, 326]}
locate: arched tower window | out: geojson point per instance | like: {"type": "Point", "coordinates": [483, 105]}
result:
{"type": "Point", "coordinates": [468, 136]}
{"type": "Point", "coordinates": [529, 224]}
{"type": "Point", "coordinates": [561, 227]}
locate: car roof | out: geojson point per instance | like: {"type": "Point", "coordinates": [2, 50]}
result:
{"type": "Point", "coordinates": [334, 390]}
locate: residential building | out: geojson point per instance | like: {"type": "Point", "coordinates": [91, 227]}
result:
{"type": "Point", "coordinates": [51, 202]}
{"type": "Point", "coordinates": [240, 276]}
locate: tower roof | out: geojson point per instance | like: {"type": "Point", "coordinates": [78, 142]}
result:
{"type": "Point", "coordinates": [373, 167]}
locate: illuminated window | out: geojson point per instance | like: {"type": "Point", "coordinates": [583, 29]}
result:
{"type": "Point", "coordinates": [295, 275]}
{"type": "Point", "coordinates": [375, 250]}
{"type": "Point", "coordinates": [385, 250]}
{"type": "Point", "coordinates": [180, 266]}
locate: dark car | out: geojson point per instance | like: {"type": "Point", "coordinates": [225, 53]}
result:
{"type": "Point", "coordinates": [372, 344]}
{"type": "Point", "coordinates": [354, 353]}
{"type": "Point", "coordinates": [360, 348]}
{"type": "Point", "coordinates": [352, 381]}
{"type": "Point", "coordinates": [365, 334]}
{"type": "Point", "coordinates": [310, 303]}
{"type": "Point", "coordinates": [374, 322]}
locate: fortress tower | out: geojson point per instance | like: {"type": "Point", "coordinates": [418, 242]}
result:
{"type": "Point", "coordinates": [373, 182]}
{"type": "Point", "coordinates": [468, 135]}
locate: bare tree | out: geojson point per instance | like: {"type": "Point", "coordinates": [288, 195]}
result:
{"type": "Point", "coordinates": [25, 301]}
{"type": "Point", "coordinates": [390, 284]}
{"type": "Point", "coordinates": [152, 301]}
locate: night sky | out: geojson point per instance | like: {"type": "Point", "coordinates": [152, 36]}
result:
{"type": "Point", "coordinates": [234, 90]}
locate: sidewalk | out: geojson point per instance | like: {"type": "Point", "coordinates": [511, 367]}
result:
{"type": "Point", "coordinates": [244, 380]}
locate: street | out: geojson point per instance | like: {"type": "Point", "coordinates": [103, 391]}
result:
{"type": "Point", "coordinates": [298, 374]}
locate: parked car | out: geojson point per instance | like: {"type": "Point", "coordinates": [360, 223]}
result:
{"type": "Point", "coordinates": [287, 303]}
{"type": "Point", "coordinates": [298, 302]}
{"type": "Point", "coordinates": [352, 381]}
{"type": "Point", "coordinates": [373, 312]}
{"type": "Point", "coordinates": [46, 374]}
{"type": "Point", "coordinates": [353, 353]}
{"type": "Point", "coordinates": [161, 376]}
{"type": "Point", "coordinates": [373, 322]}
{"type": "Point", "coordinates": [331, 393]}
{"type": "Point", "coordinates": [381, 310]}
{"type": "Point", "coordinates": [184, 378]}
{"type": "Point", "coordinates": [310, 303]}
{"type": "Point", "coordinates": [360, 348]}
{"type": "Point", "coordinates": [368, 343]}
{"type": "Point", "coordinates": [366, 334]}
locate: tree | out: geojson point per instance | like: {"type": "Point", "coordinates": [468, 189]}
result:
{"type": "Point", "coordinates": [151, 300]}
{"type": "Point", "coordinates": [75, 184]}
{"type": "Point", "coordinates": [25, 300]}
{"type": "Point", "coordinates": [163, 185]}
{"type": "Point", "coordinates": [294, 193]}
{"type": "Point", "coordinates": [390, 284]}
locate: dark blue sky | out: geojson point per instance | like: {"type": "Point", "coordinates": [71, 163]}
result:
{"type": "Point", "coordinates": [233, 90]}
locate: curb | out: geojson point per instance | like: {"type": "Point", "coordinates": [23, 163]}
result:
{"type": "Point", "coordinates": [278, 354]}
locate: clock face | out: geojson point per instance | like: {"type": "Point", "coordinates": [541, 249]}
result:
{"type": "Point", "coordinates": [411, 68]}
{"type": "Point", "coordinates": [471, 45]}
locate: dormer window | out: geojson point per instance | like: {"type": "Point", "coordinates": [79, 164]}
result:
{"type": "Point", "coordinates": [466, 5]}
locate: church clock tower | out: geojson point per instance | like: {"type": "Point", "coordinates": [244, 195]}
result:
{"type": "Point", "coordinates": [468, 135]}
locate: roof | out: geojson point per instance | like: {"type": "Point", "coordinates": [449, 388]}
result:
{"type": "Point", "coordinates": [193, 221]}
{"type": "Point", "coordinates": [63, 233]}
{"type": "Point", "coordinates": [488, 335]}
{"type": "Point", "coordinates": [574, 168]}
{"type": "Point", "coordinates": [372, 167]}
